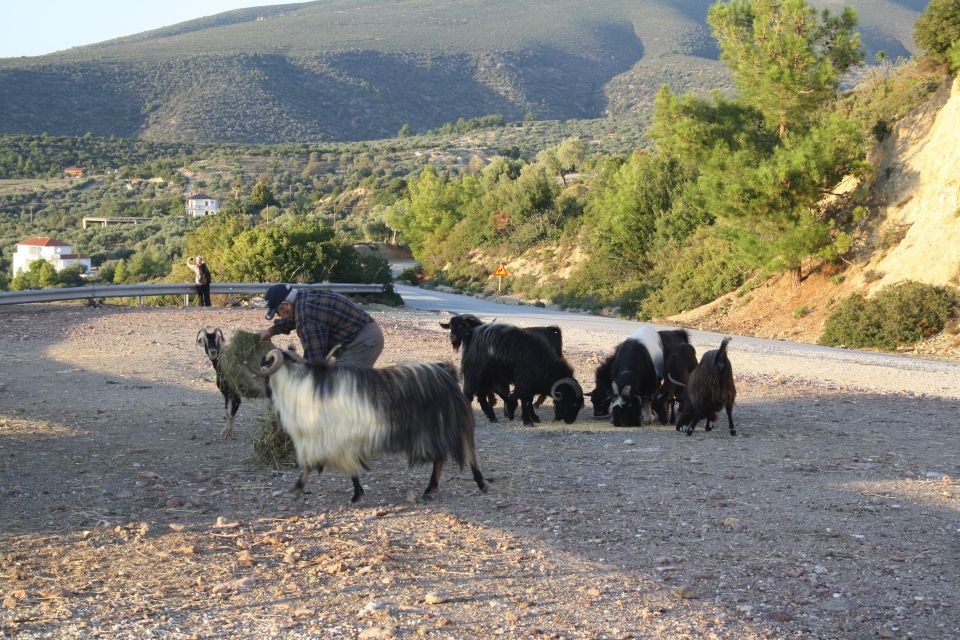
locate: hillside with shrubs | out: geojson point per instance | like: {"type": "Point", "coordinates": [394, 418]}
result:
{"type": "Point", "coordinates": [343, 70]}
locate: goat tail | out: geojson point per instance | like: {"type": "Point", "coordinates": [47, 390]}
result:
{"type": "Point", "coordinates": [721, 356]}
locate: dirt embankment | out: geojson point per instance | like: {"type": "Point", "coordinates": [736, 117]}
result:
{"type": "Point", "coordinates": [832, 515]}
{"type": "Point", "coordinates": [915, 236]}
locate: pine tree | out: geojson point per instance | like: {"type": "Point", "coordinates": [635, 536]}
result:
{"type": "Point", "coordinates": [786, 60]}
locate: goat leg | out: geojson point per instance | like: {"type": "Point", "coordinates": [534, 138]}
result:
{"type": "Point", "coordinates": [231, 404]}
{"type": "Point", "coordinates": [526, 411]}
{"type": "Point", "coordinates": [434, 484]}
{"type": "Point", "coordinates": [301, 482]}
{"type": "Point", "coordinates": [692, 426]}
{"type": "Point", "coordinates": [729, 408]}
{"type": "Point", "coordinates": [357, 489]}
{"type": "Point", "coordinates": [510, 407]}
{"type": "Point", "coordinates": [477, 476]}
{"type": "Point", "coordinates": [487, 409]}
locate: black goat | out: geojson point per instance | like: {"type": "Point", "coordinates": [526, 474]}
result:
{"type": "Point", "coordinates": [600, 396]}
{"type": "Point", "coordinates": [709, 389]}
{"type": "Point", "coordinates": [341, 415]}
{"type": "Point", "coordinates": [682, 359]}
{"type": "Point", "coordinates": [213, 343]}
{"type": "Point", "coordinates": [460, 324]}
{"type": "Point", "coordinates": [503, 354]}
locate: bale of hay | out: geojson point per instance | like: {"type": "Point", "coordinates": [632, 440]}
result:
{"type": "Point", "coordinates": [272, 446]}
{"type": "Point", "coordinates": [242, 348]}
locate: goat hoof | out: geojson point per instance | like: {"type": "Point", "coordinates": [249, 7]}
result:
{"type": "Point", "coordinates": [733, 432]}
{"type": "Point", "coordinates": [427, 495]}
{"type": "Point", "coordinates": [356, 498]}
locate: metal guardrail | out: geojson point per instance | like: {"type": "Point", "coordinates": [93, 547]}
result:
{"type": "Point", "coordinates": [163, 289]}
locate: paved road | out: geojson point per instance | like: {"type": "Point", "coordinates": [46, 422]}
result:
{"type": "Point", "coordinates": [880, 372]}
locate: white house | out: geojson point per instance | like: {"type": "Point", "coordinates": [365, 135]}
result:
{"type": "Point", "coordinates": [200, 204]}
{"type": "Point", "coordinates": [59, 254]}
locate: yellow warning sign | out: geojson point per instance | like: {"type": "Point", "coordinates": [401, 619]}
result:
{"type": "Point", "coordinates": [501, 270]}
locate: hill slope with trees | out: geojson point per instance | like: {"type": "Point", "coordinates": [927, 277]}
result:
{"type": "Point", "coordinates": [339, 70]}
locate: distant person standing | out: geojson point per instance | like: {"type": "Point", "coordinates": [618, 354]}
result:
{"type": "Point", "coordinates": [203, 278]}
{"type": "Point", "coordinates": [324, 320]}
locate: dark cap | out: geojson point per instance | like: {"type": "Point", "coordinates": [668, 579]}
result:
{"type": "Point", "coordinates": [276, 294]}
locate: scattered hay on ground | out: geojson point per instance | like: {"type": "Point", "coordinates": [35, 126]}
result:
{"type": "Point", "coordinates": [242, 348]}
{"type": "Point", "coordinates": [272, 445]}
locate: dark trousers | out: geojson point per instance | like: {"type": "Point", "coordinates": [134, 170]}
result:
{"type": "Point", "coordinates": [203, 291]}
{"type": "Point", "coordinates": [364, 349]}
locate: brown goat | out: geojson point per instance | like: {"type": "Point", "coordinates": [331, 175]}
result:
{"type": "Point", "coordinates": [709, 389]}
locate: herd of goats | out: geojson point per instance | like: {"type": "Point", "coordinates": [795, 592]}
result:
{"type": "Point", "coordinates": [341, 416]}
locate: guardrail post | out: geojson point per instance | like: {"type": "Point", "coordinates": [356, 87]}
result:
{"type": "Point", "coordinates": [141, 301]}
{"type": "Point", "coordinates": [186, 299]}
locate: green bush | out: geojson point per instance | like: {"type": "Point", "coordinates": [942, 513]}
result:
{"type": "Point", "coordinates": [411, 275]}
{"type": "Point", "coordinates": [900, 314]}
{"type": "Point", "coordinates": [693, 272]}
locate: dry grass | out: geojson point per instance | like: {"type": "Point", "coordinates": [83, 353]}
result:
{"type": "Point", "coordinates": [272, 447]}
{"type": "Point", "coordinates": [244, 347]}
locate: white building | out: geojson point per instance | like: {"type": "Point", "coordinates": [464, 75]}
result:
{"type": "Point", "coordinates": [200, 204]}
{"type": "Point", "coordinates": [59, 254]}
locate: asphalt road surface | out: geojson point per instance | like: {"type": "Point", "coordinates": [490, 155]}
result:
{"type": "Point", "coordinates": [880, 372]}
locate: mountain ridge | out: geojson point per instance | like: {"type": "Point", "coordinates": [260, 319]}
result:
{"type": "Point", "coordinates": [339, 70]}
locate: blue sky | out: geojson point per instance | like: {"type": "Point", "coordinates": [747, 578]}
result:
{"type": "Point", "coordinates": [31, 28]}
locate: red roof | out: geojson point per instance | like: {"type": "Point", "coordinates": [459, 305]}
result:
{"type": "Point", "coordinates": [44, 241]}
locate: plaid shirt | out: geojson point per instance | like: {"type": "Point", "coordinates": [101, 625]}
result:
{"type": "Point", "coordinates": [323, 319]}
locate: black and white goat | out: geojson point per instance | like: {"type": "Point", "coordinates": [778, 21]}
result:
{"type": "Point", "coordinates": [461, 324]}
{"type": "Point", "coordinates": [213, 344]}
{"type": "Point", "coordinates": [636, 374]}
{"type": "Point", "coordinates": [709, 389]}
{"type": "Point", "coordinates": [500, 353]}
{"type": "Point", "coordinates": [340, 416]}
{"type": "Point", "coordinates": [681, 359]}
{"type": "Point", "coordinates": [659, 345]}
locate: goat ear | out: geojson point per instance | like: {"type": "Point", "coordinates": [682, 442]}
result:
{"type": "Point", "coordinates": [219, 339]}
{"type": "Point", "coordinates": [445, 325]}
{"type": "Point", "coordinates": [201, 339]}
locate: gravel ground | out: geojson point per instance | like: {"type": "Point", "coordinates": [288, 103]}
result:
{"type": "Point", "coordinates": [832, 515]}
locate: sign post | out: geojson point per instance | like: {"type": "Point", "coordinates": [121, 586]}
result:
{"type": "Point", "coordinates": [500, 273]}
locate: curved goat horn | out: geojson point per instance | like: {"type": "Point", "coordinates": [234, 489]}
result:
{"type": "Point", "coordinates": [274, 361]}
{"type": "Point", "coordinates": [572, 382]}
{"type": "Point", "coordinates": [293, 355]}
{"type": "Point", "coordinates": [676, 382]}
{"type": "Point", "coordinates": [330, 355]}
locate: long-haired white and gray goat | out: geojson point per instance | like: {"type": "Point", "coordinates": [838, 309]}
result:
{"type": "Point", "coordinates": [340, 416]}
